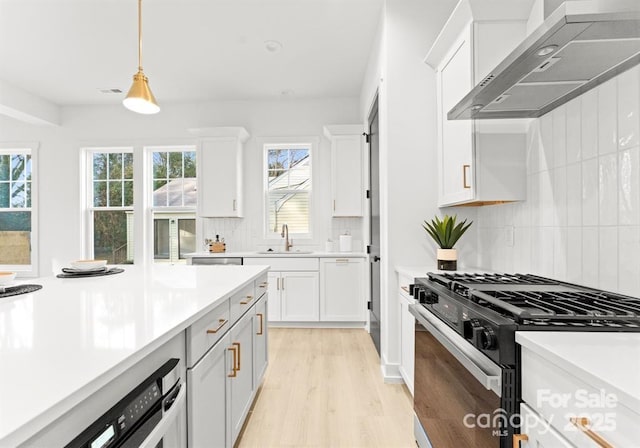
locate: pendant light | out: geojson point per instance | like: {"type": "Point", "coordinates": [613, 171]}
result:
{"type": "Point", "coordinates": [140, 99]}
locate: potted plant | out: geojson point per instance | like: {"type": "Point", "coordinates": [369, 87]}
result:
{"type": "Point", "coordinates": [446, 233]}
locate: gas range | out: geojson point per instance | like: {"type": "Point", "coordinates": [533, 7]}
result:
{"type": "Point", "coordinates": [487, 309]}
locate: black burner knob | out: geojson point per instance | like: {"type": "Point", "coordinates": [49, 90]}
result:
{"type": "Point", "coordinates": [481, 336]}
{"type": "Point", "coordinates": [488, 339]}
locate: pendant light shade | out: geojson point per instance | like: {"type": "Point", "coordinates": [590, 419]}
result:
{"type": "Point", "coordinates": [140, 99]}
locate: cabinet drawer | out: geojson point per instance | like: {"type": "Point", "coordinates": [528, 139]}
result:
{"type": "Point", "coordinates": [241, 301]}
{"type": "Point", "coordinates": [261, 286]}
{"type": "Point", "coordinates": [557, 396]}
{"type": "Point", "coordinates": [538, 433]}
{"type": "Point", "coordinates": [288, 263]}
{"type": "Point", "coordinates": [206, 331]}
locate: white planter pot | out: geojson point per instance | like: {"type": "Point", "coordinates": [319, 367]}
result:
{"type": "Point", "coordinates": [447, 259]}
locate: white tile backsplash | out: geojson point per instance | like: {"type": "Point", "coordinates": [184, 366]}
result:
{"type": "Point", "coordinates": [581, 219]}
{"type": "Point", "coordinates": [607, 117]}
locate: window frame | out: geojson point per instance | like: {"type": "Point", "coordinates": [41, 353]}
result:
{"type": "Point", "coordinates": [32, 269]}
{"type": "Point", "coordinates": [87, 195]}
{"type": "Point", "coordinates": [288, 143]}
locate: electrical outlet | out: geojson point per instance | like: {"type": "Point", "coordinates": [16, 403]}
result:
{"type": "Point", "coordinates": [509, 235]}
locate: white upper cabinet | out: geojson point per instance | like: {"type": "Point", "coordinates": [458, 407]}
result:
{"type": "Point", "coordinates": [347, 169]}
{"type": "Point", "coordinates": [219, 162]}
{"type": "Point", "coordinates": [479, 162]}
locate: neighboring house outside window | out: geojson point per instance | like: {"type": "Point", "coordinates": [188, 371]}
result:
{"type": "Point", "coordinates": [110, 204]}
{"type": "Point", "coordinates": [17, 207]}
{"type": "Point", "coordinates": [288, 189]}
{"type": "Point", "coordinates": [173, 202]}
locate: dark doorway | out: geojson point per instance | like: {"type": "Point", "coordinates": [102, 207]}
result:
{"type": "Point", "coordinates": [374, 223]}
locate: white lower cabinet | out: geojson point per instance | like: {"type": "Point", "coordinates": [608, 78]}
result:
{"type": "Point", "coordinates": [242, 380]}
{"type": "Point", "coordinates": [299, 297]}
{"type": "Point", "coordinates": [342, 290]}
{"type": "Point", "coordinates": [407, 340]}
{"type": "Point", "coordinates": [222, 384]}
{"type": "Point", "coordinates": [260, 344]}
{"type": "Point", "coordinates": [209, 397]}
{"type": "Point", "coordinates": [536, 432]}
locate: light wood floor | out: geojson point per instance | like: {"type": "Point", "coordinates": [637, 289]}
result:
{"type": "Point", "coordinates": [323, 388]}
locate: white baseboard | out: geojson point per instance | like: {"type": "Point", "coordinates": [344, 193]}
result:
{"type": "Point", "coordinates": [390, 372]}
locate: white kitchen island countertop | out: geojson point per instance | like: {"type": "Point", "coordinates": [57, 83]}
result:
{"type": "Point", "coordinates": [277, 254]}
{"type": "Point", "coordinates": [609, 361]}
{"type": "Point", "coordinates": [64, 342]}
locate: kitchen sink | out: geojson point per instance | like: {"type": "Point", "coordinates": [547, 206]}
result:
{"type": "Point", "coordinates": [282, 252]}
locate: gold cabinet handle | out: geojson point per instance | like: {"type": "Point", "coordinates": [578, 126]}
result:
{"type": "Point", "coordinates": [342, 260]}
{"type": "Point", "coordinates": [278, 284]}
{"type": "Point", "coordinates": [334, 205]}
{"type": "Point", "coordinates": [582, 423]}
{"type": "Point", "coordinates": [264, 284]}
{"type": "Point", "coordinates": [221, 323]}
{"type": "Point", "coordinates": [282, 283]}
{"type": "Point", "coordinates": [517, 438]}
{"type": "Point", "coordinates": [260, 331]}
{"type": "Point", "coordinates": [248, 300]}
{"type": "Point", "coordinates": [464, 176]}
{"type": "Point", "coordinates": [237, 344]}
{"type": "Point", "coordinates": [235, 360]}
{"type": "Point", "coordinates": [405, 289]}
{"type": "Point", "coordinates": [234, 205]}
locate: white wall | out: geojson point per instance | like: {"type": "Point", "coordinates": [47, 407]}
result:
{"type": "Point", "coordinates": [581, 219]}
{"type": "Point", "coordinates": [59, 208]}
{"type": "Point", "coordinates": [407, 106]}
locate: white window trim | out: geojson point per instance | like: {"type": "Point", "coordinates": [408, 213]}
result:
{"type": "Point", "coordinates": [31, 148]}
{"type": "Point", "coordinates": [86, 193]}
{"type": "Point", "coordinates": [285, 142]}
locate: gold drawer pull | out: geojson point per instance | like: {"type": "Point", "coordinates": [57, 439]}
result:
{"type": "Point", "coordinates": [582, 423]}
{"type": "Point", "coordinates": [237, 344]}
{"type": "Point", "coordinates": [264, 284]}
{"type": "Point", "coordinates": [249, 299]}
{"type": "Point", "coordinates": [222, 323]}
{"type": "Point", "coordinates": [235, 360]}
{"type": "Point", "coordinates": [405, 289]}
{"type": "Point", "coordinates": [260, 331]}
{"type": "Point", "coordinates": [464, 176]}
{"type": "Point", "coordinates": [517, 438]}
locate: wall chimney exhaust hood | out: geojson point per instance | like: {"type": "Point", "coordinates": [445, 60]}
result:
{"type": "Point", "coordinates": [578, 46]}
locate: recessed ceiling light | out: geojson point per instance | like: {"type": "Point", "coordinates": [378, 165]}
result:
{"type": "Point", "coordinates": [546, 50]}
{"type": "Point", "coordinates": [272, 46]}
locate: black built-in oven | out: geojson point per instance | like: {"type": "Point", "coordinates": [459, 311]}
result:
{"type": "Point", "coordinates": [461, 397]}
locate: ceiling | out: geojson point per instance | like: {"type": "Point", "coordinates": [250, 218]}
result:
{"type": "Point", "coordinates": [65, 51]}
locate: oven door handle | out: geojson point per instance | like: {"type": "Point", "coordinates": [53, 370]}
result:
{"type": "Point", "coordinates": [489, 381]}
{"type": "Point", "coordinates": [168, 418]}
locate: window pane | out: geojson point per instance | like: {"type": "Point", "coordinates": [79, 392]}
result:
{"type": "Point", "coordinates": [160, 193]}
{"type": "Point", "coordinates": [190, 164]}
{"type": "Point", "coordinates": [113, 236]}
{"type": "Point", "coordinates": [159, 165]}
{"type": "Point", "coordinates": [18, 167]}
{"type": "Point", "coordinates": [187, 236]}
{"type": "Point", "coordinates": [29, 186]}
{"type": "Point", "coordinates": [15, 238]}
{"type": "Point", "coordinates": [291, 209]}
{"type": "Point", "coordinates": [99, 194]}
{"type": "Point", "coordinates": [18, 194]}
{"type": "Point", "coordinates": [115, 166]}
{"type": "Point", "coordinates": [99, 166]}
{"type": "Point", "coordinates": [161, 239]}
{"type": "Point", "coordinates": [115, 194]}
{"type": "Point", "coordinates": [4, 195]}
{"type": "Point", "coordinates": [175, 165]}
{"type": "Point", "coordinates": [128, 193]}
{"type": "Point", "coordinates": [4, 167]}
{"type": "Point", "coordinates": [28, 166]}
{"type": "Point", "coordinates": [127, 165]}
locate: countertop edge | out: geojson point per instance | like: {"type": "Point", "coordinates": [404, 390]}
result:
{"type": "Point", "coordinates": [579, 372]}
{"type": "Point", "coordinates": [30, 428]}
{"type": "Point", "coordinates": [276, 255]}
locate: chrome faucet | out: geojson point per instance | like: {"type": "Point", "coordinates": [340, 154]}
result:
{"type": "Point", "coordinates": [285, 234]}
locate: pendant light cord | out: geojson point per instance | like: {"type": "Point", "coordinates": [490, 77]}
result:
{"type": "Point", "coordinates": [140, 35]}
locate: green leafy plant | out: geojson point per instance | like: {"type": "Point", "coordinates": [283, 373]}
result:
{"type": "Point", "coordinates": [446, 232]}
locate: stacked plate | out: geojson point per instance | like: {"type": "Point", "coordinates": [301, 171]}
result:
{"type": "Point", "coordinates": [6, 278]}
{"type": "Point", "coordinates": [86, 267]}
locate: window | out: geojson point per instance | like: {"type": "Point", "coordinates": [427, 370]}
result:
{"type": "Point", "coordinates": [16, 213]}
{"type": "Point", "coordinates": [110, 204]}
{"type": "Point", "coordinates": [288, 188]}
{"type": "Point", "coordinates": [174, 198]}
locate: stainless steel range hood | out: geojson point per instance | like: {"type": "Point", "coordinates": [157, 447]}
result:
{"type": "Point", "coordinates": [578, 46]}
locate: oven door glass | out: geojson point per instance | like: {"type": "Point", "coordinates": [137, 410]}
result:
{"type": "Point", "coordinates": [454, 409]}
